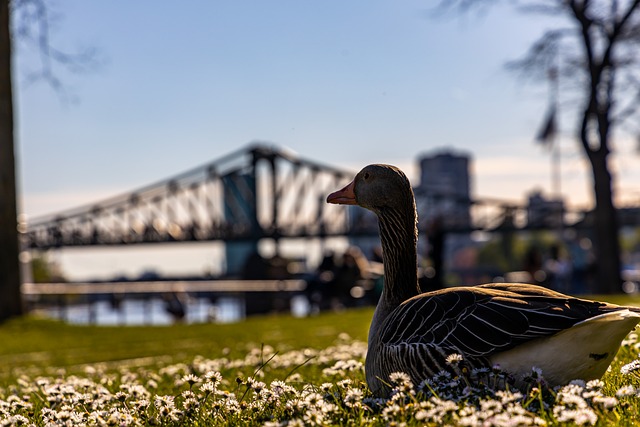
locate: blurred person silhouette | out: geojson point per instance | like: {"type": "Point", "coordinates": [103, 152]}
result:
{"type": "Point", "coordinates": [532, 264]}
{"type": "Point", "coordinates": [318, 291]}
{"type": "Point", "coordinates": [433, 277]}
{"type": "Point", "coordinates": [351, 270]}
{"type": "Point", "coordinates": [557, 269]}
{"type": "Point", "coordinates": [176, 304]}
{"type": "Point", "coordinates": [581, 263]}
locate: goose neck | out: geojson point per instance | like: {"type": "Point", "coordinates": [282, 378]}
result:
{"type": "Point", "coordinates": [398, 236]}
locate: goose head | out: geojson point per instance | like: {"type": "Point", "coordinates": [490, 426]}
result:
{"type": "Point", "coordinates": [385, 190]}
{"type": "Point", "coordinates": [377, 188]}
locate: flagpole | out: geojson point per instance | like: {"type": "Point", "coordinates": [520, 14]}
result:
{"type": "Point", "coordinates": [549, 136]}
{"type": "Point", "coordinates": [556, 177]}
{"type": "Point", "coordinates": [556, 184]}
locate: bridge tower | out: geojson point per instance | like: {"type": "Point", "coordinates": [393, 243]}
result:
{"type": "Point", "coordinates": [241, 206]}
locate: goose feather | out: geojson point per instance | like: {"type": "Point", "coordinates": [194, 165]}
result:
{"type": "Point", "coordinates": [517, 326]}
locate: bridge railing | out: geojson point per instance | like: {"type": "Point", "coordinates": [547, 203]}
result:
{"type": "Point", "coordinates": [178, 297]}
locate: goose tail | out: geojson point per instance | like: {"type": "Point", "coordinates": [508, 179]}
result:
{"type": "Point", "coordinates": [592, 345]}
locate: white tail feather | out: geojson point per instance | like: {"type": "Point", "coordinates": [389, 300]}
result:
{"type": "Point", "coordinates": [583, 351]}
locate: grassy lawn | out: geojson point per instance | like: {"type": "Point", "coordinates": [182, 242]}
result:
{"type": "Point", "coordinates": [272, 370]}
{"type": "Point", "coordinates": [31, 342]}
{"type": "Point", "coordinates": [39, 342]}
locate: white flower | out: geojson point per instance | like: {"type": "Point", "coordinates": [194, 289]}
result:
{"type": "Point", "coordinates": [391, 411]}
{"type": "Point", "coordinates": [280, 388]}
{"type": "Point", "coordinates": [579, 417]}
{"type": "Point", "coordinates": [579, 383]}
{"type": "Point", "coordinates": [326, 387]}
{"type": "Point", "coordinates": [353, 397]}
{"type": "Point", "coordinates": [631, 339]}
{"type": "Point", "coordinates": [190, 379]}
{"type": "Point", "coordinates": [213, 376]}
{"type": "Point", "coordinates": [16, 420]}
{"type": "Point", "coordinates": [313, 398]}
{"type": "Point", "coordinates": [399, 378]}
{"type": "Point", "coordinates": [311, 417]}
{"type": "Point", "coordinates": [344, 383]}
{"type": "Point", "coordinates": [508, 397]}
{"type": "Point", "coordinates": [208, 387]}
{"type": "Point", "coordinates": [606, 402]}
{"type": "Point", "coordinates": [191, 404]}
{"type": "Point", "coordinates": [595, 384]}
{"type": "Point", "coordinates": [630, 367]}
{"type": "Point", "coordinates": [295, 378]}
{"type": "Point", "coordinates": [142, 404]}
{"type": "Point", "coordinates": [453, 359]}
{"type": "Point", "coordinates": [572, 400]}
{"type": "Point", "coordinates": [625, 391]}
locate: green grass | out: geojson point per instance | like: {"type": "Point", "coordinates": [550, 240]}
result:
{"type": "Point", "coordinates": [620, 299]}
{"type": "Point", "coordinates": [49, 369]}
{"type": "Point", "coordinates": [39, 342]}
{"type": "Point", "coordinates": [32, 342]}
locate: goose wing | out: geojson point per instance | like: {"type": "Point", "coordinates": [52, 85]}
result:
{"type": "Point", "coordinates": [477, 322]}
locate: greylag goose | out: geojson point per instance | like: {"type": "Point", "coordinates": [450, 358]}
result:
{"type": "Point", "coordinates": [516, 326]}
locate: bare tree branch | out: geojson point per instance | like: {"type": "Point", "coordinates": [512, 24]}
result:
{"type": "Point", "coordinates": [631, 85]}
{"type": "Point", "coordinates": [464, 6]}
{"type": "Point", "coordinates": [542, 56]}
{"type": "Point", "coordinates": [32, 26]}
{"type": "Point", "coordinates": [597, 59]}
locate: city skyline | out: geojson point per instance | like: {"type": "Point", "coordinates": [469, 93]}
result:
{"type": "Point", "coordinates": [414, 169]}
{"type": "Point", "coordinates": [346, 84]}
{"type": "Point", "coordinates": [445, 175]}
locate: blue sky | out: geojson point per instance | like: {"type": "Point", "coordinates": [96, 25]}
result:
{"type": "Point", "coordinates": [343, 82]}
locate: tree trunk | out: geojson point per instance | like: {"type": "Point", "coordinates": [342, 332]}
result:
{"type": "Point", "coordinates": [10, 297]}
{"type": "Point", "coordinates": [607, 248]}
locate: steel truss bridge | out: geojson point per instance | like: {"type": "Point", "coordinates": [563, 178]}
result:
{"type": "Point", "coordinates": [254, 193]}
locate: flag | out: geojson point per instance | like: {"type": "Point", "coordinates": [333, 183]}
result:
{"type": "Point", "coordinates": [548, 130]}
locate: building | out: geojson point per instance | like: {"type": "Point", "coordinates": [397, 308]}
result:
{"type": "Point", "coordinates": [543, 212]}
{"type": "Point", "coordinates": [444, 192]}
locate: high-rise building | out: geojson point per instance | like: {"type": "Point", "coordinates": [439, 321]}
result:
{"type": "Point", "coordinates": [445, 189]}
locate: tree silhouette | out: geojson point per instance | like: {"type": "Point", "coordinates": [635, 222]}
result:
{"type": "Point", "coordinates": [597, 60]}
{"type": "Point", "coordinates": [10, 297]}
{"type": "Point", "coordinates": [31, 24]}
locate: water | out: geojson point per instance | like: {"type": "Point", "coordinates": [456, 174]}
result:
{"type": "Point", "coordinates": [153, 311]}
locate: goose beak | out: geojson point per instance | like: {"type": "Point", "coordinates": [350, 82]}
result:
{"type": "Point", "coordinates": [346, 196]}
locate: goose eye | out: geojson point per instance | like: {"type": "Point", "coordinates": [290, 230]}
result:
{"type": "Point", "coordinates": [366, 175]}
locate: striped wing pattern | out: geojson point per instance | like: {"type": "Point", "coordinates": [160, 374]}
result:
{"type": "Point", "coordinates": [475, 322]}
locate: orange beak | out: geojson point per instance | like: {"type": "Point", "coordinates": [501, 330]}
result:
{"type": "Point", "coordinates": [346, 196]}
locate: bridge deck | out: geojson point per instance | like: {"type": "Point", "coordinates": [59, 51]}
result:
{"type": "Point", "coordinates": [213, 286]}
